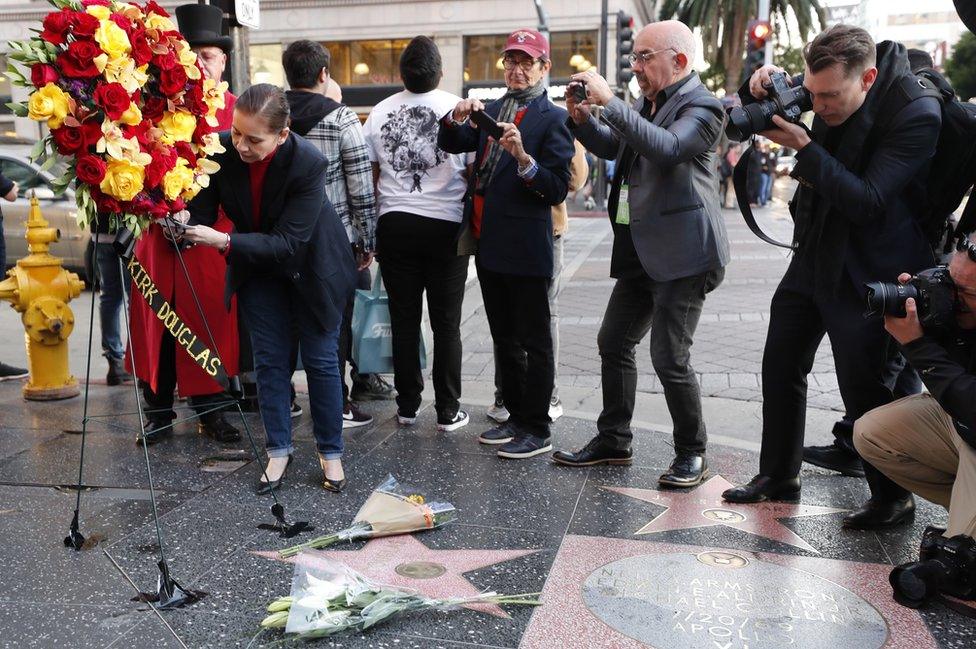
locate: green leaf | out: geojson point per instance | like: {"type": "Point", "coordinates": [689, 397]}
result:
{"type": "Point", "coordinates": [49, 162]}
{"type": "Point", "coordinates": [19, 108]}
{"type": "Point", "coordinates": [37, 150]}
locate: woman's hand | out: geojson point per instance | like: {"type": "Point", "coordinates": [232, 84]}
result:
{"type": "Point", "coordinates": [206, 236]}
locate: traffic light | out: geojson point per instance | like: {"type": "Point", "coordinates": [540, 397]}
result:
{"type": "Point", "coordinates": [757, 33]}
{"type": "Point", "coordinates": [625, 45]}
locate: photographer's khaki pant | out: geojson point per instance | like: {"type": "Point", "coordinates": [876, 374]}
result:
{"type": "Point", "coordinates": [914, 442]}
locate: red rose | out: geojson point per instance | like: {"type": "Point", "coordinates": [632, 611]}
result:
{"type": "Point", "coordinates": [91, 170]}
{"type": "Point", "coordinates": [186, 152]}
{"type": "Point", "coordinates": [83, 24]}
{"type": "Point", "coordinates": [153, 108]}
{"type": "Point", "coordinates": [124, 23]}
{"type": "Point", "coordinates": [202, 129]}
{"type": "Point", "coordinates": [79, 59]}
{"type": "Point", "coordinates": [172, 81]}
{"type": "Point", "coordinates": [68, 141]}
{"type": "Point", "coordinates": [103, 3]}
{"type": "Point", "coordinates": [163, 159]}
{"type": "Point", "coordinates": [152, 7]}
{"type": "Point", "coordinates": [42, 74]}
{"type": "Point", "coordinates": [193, 100]}
{"type": "Point", "coordinates": [113, 99]}
{"type": "Point", "coordinates": [140, 132]}
{"type": "Point", "coordinates": [57, 24]}
{"type": "Point", "coordinates": [142, 52]}
{"type": "Point", "coordinates": [166, 61]}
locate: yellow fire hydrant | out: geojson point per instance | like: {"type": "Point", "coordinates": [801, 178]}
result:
{"type": "Point", "coordinates": [40, 288]}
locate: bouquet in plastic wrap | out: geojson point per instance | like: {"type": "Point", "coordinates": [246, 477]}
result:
{"type": "Point", "coordinates": [391, 509]}
{"type": "Point", "coordinates": [328, 597]}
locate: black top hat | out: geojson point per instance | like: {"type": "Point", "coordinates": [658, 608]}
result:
{"type": "Point", "coordinates": [201, 25]}
{"type": "Point", "coordinates": [967, 12]}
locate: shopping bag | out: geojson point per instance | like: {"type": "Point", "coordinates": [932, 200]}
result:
{"type": "Point", "coordinates": [372, 335]}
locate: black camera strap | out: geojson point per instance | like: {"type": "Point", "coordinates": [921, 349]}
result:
{"type": "Point", "coordinates": [956, 606]}
{"type": "Point", "coordinates": [740, 181]}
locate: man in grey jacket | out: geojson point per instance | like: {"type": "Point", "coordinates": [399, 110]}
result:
{"type": "Point", "coordinates": [670, 246]}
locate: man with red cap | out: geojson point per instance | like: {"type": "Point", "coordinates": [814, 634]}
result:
{"type": "Point", "coordinates": [159, 366]}
{"type": "Point", "coordinates": [518, 178]}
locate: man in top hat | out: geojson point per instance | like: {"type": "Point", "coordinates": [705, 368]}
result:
{"type": "Point", "coordinates": [160, 367]}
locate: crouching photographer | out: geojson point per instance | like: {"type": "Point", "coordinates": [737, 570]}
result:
{"type": "Point", "coordinates": [927, 442]}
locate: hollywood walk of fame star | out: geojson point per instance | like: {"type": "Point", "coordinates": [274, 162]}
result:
{"type": "Point", "coordinates": [704, 507]}
{"type": "Point", "coordinates": [441, 572]}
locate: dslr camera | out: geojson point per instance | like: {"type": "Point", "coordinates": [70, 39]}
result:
{"type": "Point", "coordinates": [934, 293]}
{"type": "Point", "coordinates": [783, 99]}
{"type": "Point", "coordinates": [945, 566]}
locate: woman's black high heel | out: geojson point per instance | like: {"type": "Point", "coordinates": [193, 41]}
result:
{"type": "Point", "coordinates": [264, 488]}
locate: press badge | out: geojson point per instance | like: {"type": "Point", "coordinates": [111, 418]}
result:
{"type": "Point", "coordinates": [623, 206]}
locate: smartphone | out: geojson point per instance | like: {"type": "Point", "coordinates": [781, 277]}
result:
{"type": "Point", "coordinates": [577, 90]}
{"type": "Point", "coordinates": [487, 124]}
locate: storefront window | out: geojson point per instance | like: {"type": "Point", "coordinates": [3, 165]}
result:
{"type": "Point", "coordinates": [572, 52]}
{"type": "Point", "coordinates": [266, 64]}
{"type": "Point", "coordinates": [366, 63]}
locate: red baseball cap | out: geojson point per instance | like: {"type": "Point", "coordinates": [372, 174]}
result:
{"type": "Point", "coordinates": [529, 41]}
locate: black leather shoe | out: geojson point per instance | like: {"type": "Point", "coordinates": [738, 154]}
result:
{"type": "Point", "coordinates": [881, 514]}
{"type": "Point", "coordinates": [370, 387]}
{"type": "Point", "coordinates": [595, 452]}
{"type": "Point", "coordinates": [835, 458]}
{"type": "Point", "coordinates": [156, 428]}
{"type": "Point", "coordinates": [762, 488]}
{"type": "Point", "coordinates": [525, 446]}
{"type": "Point", "coordinates": [266, 487]}
{"type": "Point", "coordinates": [687, 470]}
{"type": "Point", "coordinates": [216, 426]}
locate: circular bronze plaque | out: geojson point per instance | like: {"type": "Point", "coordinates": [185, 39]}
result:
{"type": "Point", "coordinates": [723, 516]}
{"type": "Point", "coordinates": [420, 569]}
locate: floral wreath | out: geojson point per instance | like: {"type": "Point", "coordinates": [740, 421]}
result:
{"type": "Point", "coordinates": [127, 102]}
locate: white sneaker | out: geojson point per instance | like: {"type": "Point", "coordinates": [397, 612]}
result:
{"type": "Point", "coordinates": [555, 409]}
{"type": "Point", "coordinates": [459, 420]}
{"type": "Point", "coordinates": [404, 420]}
{"type": "Point", "coordinates": [498, 412]}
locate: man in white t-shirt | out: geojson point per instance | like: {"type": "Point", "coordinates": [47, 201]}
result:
{"type": "Point", "coordinates": [419, 192]}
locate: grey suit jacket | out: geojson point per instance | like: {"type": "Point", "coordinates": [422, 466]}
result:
{"type": "Point", "coordinates": [675, 215]}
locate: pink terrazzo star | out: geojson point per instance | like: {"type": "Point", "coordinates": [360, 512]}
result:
{"type": "Point", "coordinates": [379, 558]}
{"type": "Point", "coordinates": [704, 507]}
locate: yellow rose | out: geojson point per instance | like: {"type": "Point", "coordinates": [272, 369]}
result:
{"type": "Point", "coordinates": [131, 116]}
{"type": "Point", "coordinates": [162, 23]}
{"type": "Point", "coordinates": [112, 39]}
{"type": "Point", "coordinates": [123, 180]}
{"type": "Point", "coordinates": [177, 179]}
{"type": "Point", "coordinates": [177, 127]}
{"type": "Point", "coordinates": [100, 12]}
{"type": "Point", "coordinates": [191, 192]}
{"type": "Point", "coordinates": [49, 103]}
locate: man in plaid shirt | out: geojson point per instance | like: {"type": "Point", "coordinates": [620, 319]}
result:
{"type": "Point", "coordinates": [336, 131]}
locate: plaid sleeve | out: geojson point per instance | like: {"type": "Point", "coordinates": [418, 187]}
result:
{"type": "Point", "coordinates": [358, 173]}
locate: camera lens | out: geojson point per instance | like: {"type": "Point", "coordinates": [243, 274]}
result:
{"type": "Point", "coordinates": [750, 119]}
{"type": "Point", "coordinates": [884, 298]}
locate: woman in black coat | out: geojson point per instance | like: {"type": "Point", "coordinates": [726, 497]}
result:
{"type": "Point", "coordinates": [289, 263]}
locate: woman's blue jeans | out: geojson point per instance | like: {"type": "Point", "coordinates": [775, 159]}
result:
{"type": "Point", "coordinates": [275, 313]}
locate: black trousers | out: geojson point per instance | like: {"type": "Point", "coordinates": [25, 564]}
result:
{"type": "Point", "coordinates": [862, 351]}
{"type": "Point", "coordinates": [159, 404]}
{"type": "Point", "coordinates": [419, 254]}
{"type": "Point", "coordinates": [670, 311]}
{"type": "Point", "coordinates": [363, 281]}
{"type": "Point", "coordinates": [517, 307]}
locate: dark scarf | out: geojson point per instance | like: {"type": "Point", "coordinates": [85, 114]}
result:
{"type": "Point", "coordinates": [511, 103]}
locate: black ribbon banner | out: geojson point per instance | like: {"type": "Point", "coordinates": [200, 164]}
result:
{"type": "Point", "coordinates": [202, 355]}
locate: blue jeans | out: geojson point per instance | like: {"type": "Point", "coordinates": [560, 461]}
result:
{"type": "Point", "coordinates": [111, 301]}
{"type": "Point", "coordinates": [765, 188]}
{"type": "Point", "coordinates": [274, 311]}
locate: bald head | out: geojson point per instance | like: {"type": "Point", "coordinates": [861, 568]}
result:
{"type": "Point", "coordinates": [668, 34]}
{"type": "Point", "coordinates": [664, 53]}
{"type": "Point", "coordinates": [962, 269]}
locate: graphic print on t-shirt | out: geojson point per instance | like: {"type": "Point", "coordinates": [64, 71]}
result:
{"type": "Point", "coordinates": [409, 139]}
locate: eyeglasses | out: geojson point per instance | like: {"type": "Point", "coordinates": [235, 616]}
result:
{"type": "Point", "coordinates": [510, 62]}
{"type": "Point", "coordinates": [645, 57]}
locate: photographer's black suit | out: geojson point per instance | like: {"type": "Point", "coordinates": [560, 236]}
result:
{"type": "Point", "coordinates": [861, 184]}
